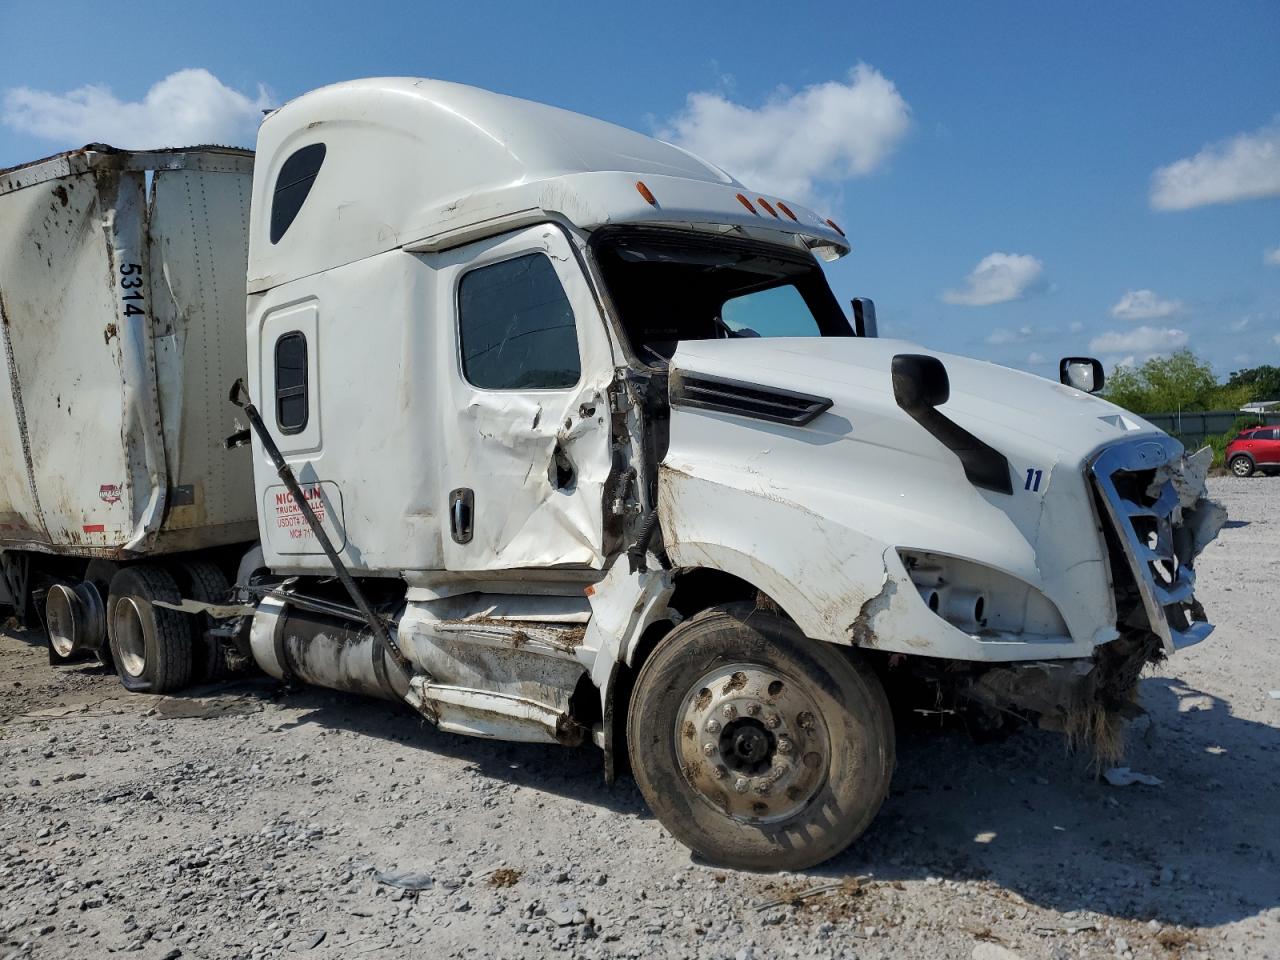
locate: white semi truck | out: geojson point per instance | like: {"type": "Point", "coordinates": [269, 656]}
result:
{"type": "Point", "coordinates": [558, 434]}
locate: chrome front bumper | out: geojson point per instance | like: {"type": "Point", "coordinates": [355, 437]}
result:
{"type": "Point", "coordinates": [1143, 504]}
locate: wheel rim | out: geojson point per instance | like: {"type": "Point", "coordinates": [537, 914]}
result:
{"type": "Point", "coordinates": [1241, 467]}
{"type": "Point", "coordinates": [752, 743]}
{"type": "Point", "coordinates": [126, 630]}
{"type": "Point", "coordinates": [59, 618]}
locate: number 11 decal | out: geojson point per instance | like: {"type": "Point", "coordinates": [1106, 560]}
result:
{"type": "Point", "coordinates": [1033, 479]}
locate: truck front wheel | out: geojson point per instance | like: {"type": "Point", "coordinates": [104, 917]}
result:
{"type": "Point", "coordinates": [756, 746]}
{"type": "Point", "coordinates": [151, 645]}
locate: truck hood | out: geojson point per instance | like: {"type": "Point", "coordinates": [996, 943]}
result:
{"type": "Point", "coordinates": [1024, 416]}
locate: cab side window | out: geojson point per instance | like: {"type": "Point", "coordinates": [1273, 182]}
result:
{"type": "Point", "coordinates": [516, 328]}
{"type": "Point", "coordinates": [291, 383]}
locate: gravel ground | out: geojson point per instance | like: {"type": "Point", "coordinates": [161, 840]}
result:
{"type": "Point", "coordinates": [240, 823]}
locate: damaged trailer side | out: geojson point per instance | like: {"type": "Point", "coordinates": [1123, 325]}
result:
{"type": "Point", "coordinates": [121, 295]}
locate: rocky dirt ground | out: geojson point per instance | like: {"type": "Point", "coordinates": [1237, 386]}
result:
{"type": "Point", "coordinates": [236, 822]}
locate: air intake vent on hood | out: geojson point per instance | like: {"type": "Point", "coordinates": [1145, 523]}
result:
{"type": "Point", "coordinates": [745, 399]}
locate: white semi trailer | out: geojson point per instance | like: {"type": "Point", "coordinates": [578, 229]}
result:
{"type": "Point", "coordinates": [559, 434]}
{"type": "Point", "coordinates": [122, 317]}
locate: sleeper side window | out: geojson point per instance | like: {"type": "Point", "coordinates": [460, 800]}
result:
{"type": "Point", "coordinates": [515, 327]}
{"type": "Point", "coordinates": [297, 176]}
{"type": "Point", "coordinates": [291, 382]}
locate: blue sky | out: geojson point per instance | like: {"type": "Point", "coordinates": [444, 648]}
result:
{"type": "Point", "coordinates": [1023, 137]}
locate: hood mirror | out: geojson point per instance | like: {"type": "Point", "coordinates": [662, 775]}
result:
{"type": "Point", "coordinates": [864, 317]}
{"type": "Point", "coordinates": [1083, 373]}
{"type": "Point", "coordinates": [920, 382]}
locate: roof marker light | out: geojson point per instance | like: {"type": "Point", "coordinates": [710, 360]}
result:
{"type": "Point", "coordinates": [787, 210]}
{"type": "Point", "coordinates": [747, 203]}
{"type": "Point", "coordinates": [646, 193]}
{"type": "Point", "coordinates": [836, 227]}
{"type": "Point", "coordinates": [765, 203]}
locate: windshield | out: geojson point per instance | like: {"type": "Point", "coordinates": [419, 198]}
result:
{"type": "Point", "coordinates": [670, 285]}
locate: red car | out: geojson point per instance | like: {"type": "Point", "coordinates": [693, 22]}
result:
{"type": "Point", "coordinates": [1255, 449]}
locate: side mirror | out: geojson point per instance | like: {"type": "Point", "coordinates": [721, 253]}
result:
{"type": "Point", "coordinates": [921, 385]}
{"type": "Point", "coordinates": [1083, 373]}
{"type": "Point", "coordinates": [920, 382]}
{"type": "Point", "coordinates": [864, 317]}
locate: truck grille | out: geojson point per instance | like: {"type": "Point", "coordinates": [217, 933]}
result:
{"type": "Point", "coordinates": [1141, 505]}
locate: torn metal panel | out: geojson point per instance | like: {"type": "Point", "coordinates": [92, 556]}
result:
{"type": "Point", "coordinates": [494, 716]}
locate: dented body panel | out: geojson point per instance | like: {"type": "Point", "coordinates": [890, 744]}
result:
{"type": "Point", "coordinates": [842, 505]}
{"type": "Point", "coordinates": [119, 280]}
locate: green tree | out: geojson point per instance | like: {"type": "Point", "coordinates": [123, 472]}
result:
{"type": "Point", "coordinates": [1165, 384]}
{"type": "Point", "coordinates": [1263, 382]}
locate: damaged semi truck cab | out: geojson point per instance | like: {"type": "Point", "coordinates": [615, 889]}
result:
{"type": "Point", "coordinates": [560, 435]}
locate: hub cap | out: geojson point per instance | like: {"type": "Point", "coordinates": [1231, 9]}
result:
{"type": "Point", "coordinates": [59, 618]}
{"type": "Point", "coordinates": [126, 628]}
{"type": "Point", "coordinates": [752, 743]}
{"type": "Point", "coordinates": [1241, 467]}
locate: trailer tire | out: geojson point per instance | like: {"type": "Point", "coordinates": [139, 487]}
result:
{"type": "Point", "coordinates": [755, 746]}
{"type": "Point", "coordinates": [208, 585]}
{"type": "Point", "coordinates": [151, 645]}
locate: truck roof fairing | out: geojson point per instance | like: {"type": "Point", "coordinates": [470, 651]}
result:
{"type": "Point", "coordinates": [426, 165]}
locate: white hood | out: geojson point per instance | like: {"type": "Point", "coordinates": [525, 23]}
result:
{"type": "Point", "coordinates": [863, 480]}
{"type": "Point", "coordinates": [1007, 408]}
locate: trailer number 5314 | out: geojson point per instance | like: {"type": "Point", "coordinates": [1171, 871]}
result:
{"type": "Point", "coordinates": [131, 282]}
{"type": "Point", "coordinates": [1033, 480]}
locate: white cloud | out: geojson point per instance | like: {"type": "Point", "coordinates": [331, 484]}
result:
{"type": "Point", "coordinates": [185, 108]}
{"type": "Point", "coordinates": [826, 132]}
{"type": "Point", "coordinates": [1000, 336]}
{"type": "Point", "coordinates": [1243, 167]}
{"type": "Point", "coordinates": [998, 278]}
{"type": "Point", "coordinates": [1239, 326]}
{"type": "Point", "coordinates": [1276, 339]}
{"type": "Point", "coordinates": [1075, 327]}
{"type": "Point", "coordinates": [1271, 257]}
{"type": "Point", "coordinates": [1139, 340]}
{"type": "Point", "coordinates": [1144, 305]}
{"type": "Point", "coordinates": [1034, 359]}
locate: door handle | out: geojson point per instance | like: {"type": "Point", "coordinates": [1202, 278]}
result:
{"type": "Point", "coordinates": [462, 514]}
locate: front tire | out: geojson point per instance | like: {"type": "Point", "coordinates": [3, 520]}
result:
{"type": "Point", "coordinates": [1242, 466]}
{"type": "Point", "coordinates": [755, 746]}
{"type": "Point", "coordinates": [151, 645]}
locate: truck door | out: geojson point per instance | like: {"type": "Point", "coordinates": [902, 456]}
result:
{"type": "Point", "coordinates": [526, 419]}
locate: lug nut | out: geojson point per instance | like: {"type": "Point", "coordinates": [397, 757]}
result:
{"type": "Point", "coordinates": [773, 721]}
{"type": "Point", "coordinates": [729, 711]}
{"type": "Point", "coordinates": [708, 749]}
{"type": "Point", "coordinates": [740, 785]}
{"type": "Point", "coordinates": [718, 772]}
{"type": "Point", "coordinates": [784, 745]}
{"type": "Point", "coordinates": [753, 709]}
{"type": "Point", "coordinates": [762, 787]}
{"type": "Point", "coordinates": [713, 726]}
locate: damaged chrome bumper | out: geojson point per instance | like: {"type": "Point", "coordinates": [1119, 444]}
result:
{"type": "Point", "coordinates": [1153, 495]}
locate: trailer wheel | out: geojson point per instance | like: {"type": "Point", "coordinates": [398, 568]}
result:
{"type": "Point", "coordinates": [755, 746]}
{"type": "Point", "coordinates": [151, 645]}
{"type": "Point", "coordinates": [208, 585]}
